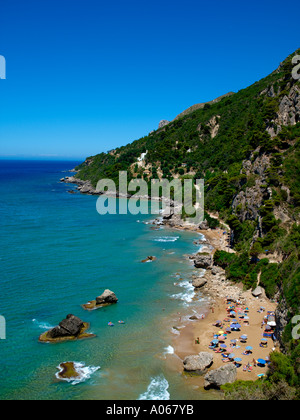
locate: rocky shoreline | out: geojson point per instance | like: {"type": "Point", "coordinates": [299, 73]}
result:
{"type": "Point", "coordinates": [84, 187]}
{"type": "Point", "coordinates": [213, 285]}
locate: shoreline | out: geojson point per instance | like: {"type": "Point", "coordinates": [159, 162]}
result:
{"type": "Point", "coordinates": [216, 290]}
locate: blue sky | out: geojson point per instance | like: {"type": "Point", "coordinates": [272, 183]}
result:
{"type": "Point", "coordinates": [87, 76]}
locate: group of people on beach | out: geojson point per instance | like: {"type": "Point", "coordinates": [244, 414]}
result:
{"type": "Point", "coordinates": [237, 314]}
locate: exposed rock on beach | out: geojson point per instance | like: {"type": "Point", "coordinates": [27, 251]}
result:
{"type": "Point", "coordinates": [203, 260]}
{"type": "Point", "coordinates": [221, 376]}
{"type": "Point", "coordinates": [198, 363]}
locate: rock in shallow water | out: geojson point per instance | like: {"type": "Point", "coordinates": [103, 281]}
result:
{"type": "Point", "coordinates": [107, 298]}
{"type": "Point", "coordinates": [70, 328]}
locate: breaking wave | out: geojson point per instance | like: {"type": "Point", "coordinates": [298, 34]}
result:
{"type": "Point", "coordinates": [166, 239]}
{"type": "Point", "coordinates": [157, 389]}
{"type": "Point", "coordinates": [84, 372]}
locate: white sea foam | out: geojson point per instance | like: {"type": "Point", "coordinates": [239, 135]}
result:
{"type": "Point", "coordinates": [166, 239]}
{"type": "Point", "coordinates": [85, 372]}
{"type": "Point", "coordinates": [169, 350]}
{"type": "Point", "coordinates": [42, 325]}
{"type": "Point", "coordinates": [157, 389]}
{"type": "Point", "coordinates": [175, 331]}
{"type": "Point", "coordinates": [188, 294]}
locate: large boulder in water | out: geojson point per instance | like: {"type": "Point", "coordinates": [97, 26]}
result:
{"type": "Point", "coordinates": [70, 328]}
{"type": "Point", "coordinates": [221, 376]}
{"type": "Point", "coordinates": [107, 297]}
{"type": "Point", "coordinates": [198, 363]}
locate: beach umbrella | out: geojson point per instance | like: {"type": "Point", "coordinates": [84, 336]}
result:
{"type": "Point", "coordinates": [244, 337]}
{"type": "Point", "coordinates": [224, 346]}
{"type": "Point", "coordinates": [228, 329]}
{"type": "Point", "coordinates": [237, 359]}
{"type": "Point", "coordinates": [248, 348]}
{"type": "Point", "coordinates": [246, 317]}
{"type": "Point", "coordinates": [261, 361]}
{"type": "Point", "coordinates": [215, 341]}
{"type": "Point", "coordinates": [268, 327]}
{"type": "Point", "coordinates": [221, 332]}
{"type": "Point", "coordinates": [231, 356]}
{"type": "Point", "coordinates": [234, 340]}
{"type": "Point", "coordinates": [264, 340]}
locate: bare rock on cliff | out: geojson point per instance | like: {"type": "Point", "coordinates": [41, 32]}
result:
{"type": "Point", "coordinates": [162, 123]}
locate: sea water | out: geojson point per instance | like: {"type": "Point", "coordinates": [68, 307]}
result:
{"type": "Point", "coordinates": [58, 253]}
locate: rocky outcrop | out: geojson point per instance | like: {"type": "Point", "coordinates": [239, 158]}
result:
{"type": "Point", "coordinates": [198, 363]}
{"type": "Point", "coordinates": [258, 291]}
{"type": "Point", "coordinates": [289, 107]}
{"type": "Point", "coordinates": [221, 376]}
{"type": "Point", "coordinates": [247, 203]}
{"type": "Point", "coordinates": [214, 125]}
{"type": "Point", "coordinates": [203, 260]}
{"type": "Point", "coordinates": [150, 258]}
{"type": "Point", "coordinates": [107, 298]}
{"type": "Point", "coordinates": [204, 225]}
{"type": "Point", "coordinates": [162, 123]}
{"type": "Point", "coordinates": [282, 318]}
{"type": "Point", "coordinates": [288, 111]}
{"type": "Point", "coordinates": [199, 282]}
{"type": "Point", "coordinates": [70, 328]}
{"type": "Point", "coordinates": [85, 187]}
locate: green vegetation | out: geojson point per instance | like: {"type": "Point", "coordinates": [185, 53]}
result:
{"type": "Point", "coordinates": [281, 383]}
{"type": "Point", "coordinates": [249, 161]}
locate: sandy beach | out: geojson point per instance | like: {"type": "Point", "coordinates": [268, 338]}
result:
{"type": "Point", "coordinates": [197, 335]}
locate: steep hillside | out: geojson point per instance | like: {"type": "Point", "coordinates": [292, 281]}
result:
{"type": "Point", "coordinates": [246, 146]}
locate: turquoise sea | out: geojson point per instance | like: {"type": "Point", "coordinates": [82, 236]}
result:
{"type": "Point", "coordinates": [57, 253]}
